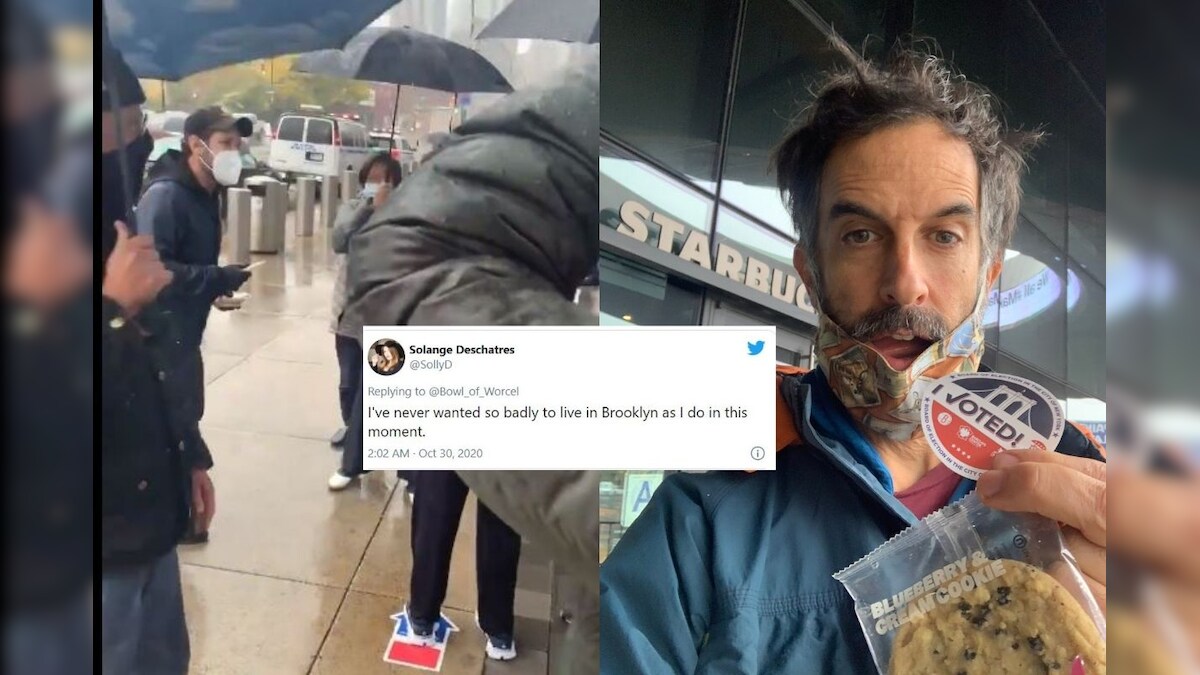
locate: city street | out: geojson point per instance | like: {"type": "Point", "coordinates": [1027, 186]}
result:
{"type": "Point", "coordinates": [297, 579]}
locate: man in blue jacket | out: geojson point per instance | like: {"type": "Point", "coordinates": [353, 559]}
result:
{"type": "Point", "coordinates": [180, 208]}
{"type": "Point", "coordinates": [904, 187]}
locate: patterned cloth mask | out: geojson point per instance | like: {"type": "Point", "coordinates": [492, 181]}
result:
{"type": "Point", "coordinates": [885, 400]}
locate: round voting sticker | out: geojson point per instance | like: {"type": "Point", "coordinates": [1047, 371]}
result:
{"type": "Point", "coordinates": [969, 418]}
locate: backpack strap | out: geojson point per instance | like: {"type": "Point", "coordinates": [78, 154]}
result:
{"type": "Point", "coordinates": [785, 424]}
{"type": "Point", "coordinates": [1087, 433]}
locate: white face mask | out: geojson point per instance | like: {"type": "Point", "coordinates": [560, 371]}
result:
{"type": "Point", "coordinates": [226, 166]}
{"type": "Point", "coordinates": [370, 190]}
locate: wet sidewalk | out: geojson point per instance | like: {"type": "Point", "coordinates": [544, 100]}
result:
{"type": "Point", "coordinates": [297, 579]}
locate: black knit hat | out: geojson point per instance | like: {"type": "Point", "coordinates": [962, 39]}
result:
{"type": "Point", "coordinates": [127, 87]}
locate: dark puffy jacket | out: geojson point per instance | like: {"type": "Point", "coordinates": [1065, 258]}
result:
{"type": "Point", "coordinates": [149, 438]}
{"type": "Point", "coordinates": [147, 446]}
{"type": "Point", "coordinates": [185, 220]}
{"type": "Point", "coordinates": [498, 227]}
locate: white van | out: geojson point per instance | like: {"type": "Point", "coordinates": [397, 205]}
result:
{"type": "Point", "coordinates": [165, 123]}
{"type": "Point", "coordinates": [318, 145]}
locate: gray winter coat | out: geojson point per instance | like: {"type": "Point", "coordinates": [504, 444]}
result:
{"type": "Point", "coordinates": [499, 227]}
{"type": "Point", "coordinates": [351, 216]}
{"type": "Point", "coordinates": [558, 512]}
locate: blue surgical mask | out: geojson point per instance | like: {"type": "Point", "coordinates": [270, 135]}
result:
{"type": "Point", "coordinates": [370, 190]}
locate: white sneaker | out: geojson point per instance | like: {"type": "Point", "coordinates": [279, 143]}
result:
{"type": "Point", "coordinates": [499, 649]}
{"type": "Point", "coordinates": [339, 482]}
{"type": "Point", "coordinates": [418, 633]}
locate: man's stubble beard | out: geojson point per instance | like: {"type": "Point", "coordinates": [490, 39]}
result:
{"type": "Point", "coordinates": [875, 323]}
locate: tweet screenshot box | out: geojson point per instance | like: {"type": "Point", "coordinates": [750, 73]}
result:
{"type": "Point", "coordinates": [586, 397]}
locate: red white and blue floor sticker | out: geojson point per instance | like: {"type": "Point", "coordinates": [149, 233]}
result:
{"type": "Point", "coordinates": [405, 649]}
{"type": "Point", "coordinates": [969, 418]}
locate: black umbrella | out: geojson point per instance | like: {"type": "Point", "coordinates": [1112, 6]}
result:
{"type": "Point", "coordinates": [403, 56]}
{"type": "Point", "coordinates": [562, 20]}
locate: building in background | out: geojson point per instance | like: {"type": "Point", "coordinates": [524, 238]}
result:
{"type": "Point", "coordinates": [523, 63]}
{"type": "Point", "coordinates": [692, 228]}
{"type": "Point", "coordinates": [418, 111]}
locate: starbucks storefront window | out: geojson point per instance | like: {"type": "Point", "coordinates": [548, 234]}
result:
{"type": "Point", "coordinates": [638, 295]}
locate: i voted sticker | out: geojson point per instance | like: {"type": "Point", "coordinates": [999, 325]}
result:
{"type": "Point", "coordinates": [969, 418]}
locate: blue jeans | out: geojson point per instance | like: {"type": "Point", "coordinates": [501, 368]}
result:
{"type": "Point", "coordinates": [350, 365]}
{"type": "Point", "coordinates": [352, 447]}
{"type": "Point", "coordinates": [55, 641]}
{"type": "Point", "coordinates": [144, 631]}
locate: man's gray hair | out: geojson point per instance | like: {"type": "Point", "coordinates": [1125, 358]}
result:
{"type": "Point", "coordinates": [911, 85]}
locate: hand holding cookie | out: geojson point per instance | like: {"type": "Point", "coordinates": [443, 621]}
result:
{"type": "Point", "coordinates": [1070, 490]}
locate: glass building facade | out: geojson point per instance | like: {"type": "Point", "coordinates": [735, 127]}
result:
{"type": "Point", "coordinates": [696, 93]}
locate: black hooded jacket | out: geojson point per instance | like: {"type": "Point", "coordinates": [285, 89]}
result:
{"type": "Point", "coordinates": [185, 220]}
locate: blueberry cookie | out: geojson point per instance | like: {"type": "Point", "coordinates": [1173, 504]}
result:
{"type": "Point", "coordinates": [1022, 622]}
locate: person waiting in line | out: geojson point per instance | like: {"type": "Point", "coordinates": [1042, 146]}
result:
{"type": "Point", "coordinates": [497, 227]}
{"type": "Point", "coordinates": [181, 209]}
{"type": "Point", "coordinates": [154, 466]}
{"type": "Point", "coordinates": [379, 175]}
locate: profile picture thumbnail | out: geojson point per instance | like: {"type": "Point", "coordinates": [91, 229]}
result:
{"type": "Point", "coordinates": [386, 357]}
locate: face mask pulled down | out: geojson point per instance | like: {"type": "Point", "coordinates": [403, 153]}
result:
{"type": "Point", "coordinates": [881, 398]}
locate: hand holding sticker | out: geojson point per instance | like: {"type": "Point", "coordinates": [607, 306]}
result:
{"type": "Point", "coordinates": [970, 418]}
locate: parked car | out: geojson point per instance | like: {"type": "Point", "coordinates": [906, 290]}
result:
{"type": "Point", "coordinates": [317, 145]}
{"type": "Point", "coordinates": [262, 130]}
{"type": "Point", "coordinates": [163, 144]}
{"type": "Point", "coordinates": [257, 173]}
{"type": "Point", "coordinates": [250, 116]}
{"type": "Point", "coordinates": [161, 124]}
{"type": "Point", "coordinates": [401, 148]}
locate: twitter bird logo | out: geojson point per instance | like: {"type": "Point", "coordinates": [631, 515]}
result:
{"type": "Point", "coordinates": [755, 347]}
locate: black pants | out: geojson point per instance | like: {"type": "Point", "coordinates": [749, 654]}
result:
{"type": "Point", "coordinates": [190, 370]}
{"type": "Point", "coordinates": [349, 354]}
{"type": "Point", "coordinates": [437, 508]}
{"type": "Point", "coordinates": [350, 363]}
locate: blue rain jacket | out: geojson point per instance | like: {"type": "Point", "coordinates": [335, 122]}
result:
{"type": "Point", "coordinates": [732, 572]}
